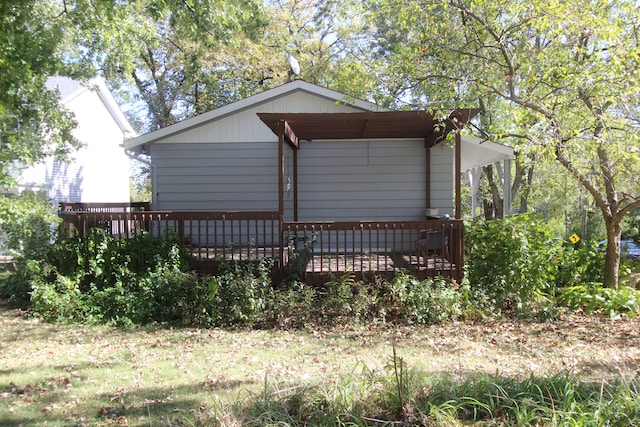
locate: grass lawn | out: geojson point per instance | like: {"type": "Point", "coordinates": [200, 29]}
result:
{"type": "Point", "coordinates": [67, 375]}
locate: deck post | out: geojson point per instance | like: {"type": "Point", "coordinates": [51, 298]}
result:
{"type": "Point", "coordinates": [458, 171]}
{"type": "Point", "coordinates": [427, 174]}
{"type": "Point", "coordinates": [281, 190]}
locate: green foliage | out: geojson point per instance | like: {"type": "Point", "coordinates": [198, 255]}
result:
{"type": "Point", "coordinates": [298, 250]}
{"type": "Point", "coordinates": [100, 278]}
{"type": "Point", "coordinates": [557, 81]}
{"type": "Point", "coordinates": [435, 301]}
{"type": "Point", "coordinates": [428, 301]}
{"type": "Point", "coordinates": [593, 297]}
{"type": "Point", "coordinates": [239, 292]}
{"type": "Point", "coordinates": [27, 222]}
{"type": "Point", "coordinates": [631, 229]}
{"type": "Point", "coordinates": [558, 399]}
{"type": "Point", "coordinates": [292, 305]}
{"type": "Point", "coordinates": [18, 285]}
{"type": "Point", "coordinates": [510, 262]}
{"type": "Point", "coordinates": [401, 299]}
{"type": "Point", "coordinates": [577, 264]}
{"type": "Point", "coordinates": [406, 396]}
{"type": "Point", "coordinates": [32, 123]}
{"type": "Point", "coordinates": [145, 279]}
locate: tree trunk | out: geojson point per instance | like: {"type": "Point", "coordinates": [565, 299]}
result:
{"type": "Point", "coordinates": [612, 254]}
{"type": "Point", "coordinates": [497, 202]}
{"type": "Point", "coordinates": [489, 212]}
{"type": "Point", "coordinates": [525, 191]}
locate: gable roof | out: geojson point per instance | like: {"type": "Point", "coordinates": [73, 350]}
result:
{"type": "Point", "coordinates": [285, 89]}
{"type": "Point", "coordinates": [70, 89]}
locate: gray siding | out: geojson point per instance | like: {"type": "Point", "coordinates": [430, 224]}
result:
{"type": "Point", "coordinates": [231, 164]}
{"type": "Point", "coordinates": [338, 180]}
{"type": "Point", "coordinates": [217, 177]}
{"type": "Point", "coordinates": [245, 125]}
{"type": "Point", "coordinates": [361, 180]}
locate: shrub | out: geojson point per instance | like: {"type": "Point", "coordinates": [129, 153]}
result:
{"type": "Point", "coordinates": [435, 301]}
{"type": "Point", "coordinates": [576, 264]}
{"type": "Point", "coordinates": [239, 292]}
{"type": "Point", "coordinates": [593, 297]}
{"type": "Point", "coordinates": [432, 300]}
{"type": "Point", "coordinates": [292, 305]}
{"type": "Point", "coordinates": [100, 278]}
{"type": "Point", "coordinates": [510, 262]}
{"type": "Point", "coordinates": [28, 223]}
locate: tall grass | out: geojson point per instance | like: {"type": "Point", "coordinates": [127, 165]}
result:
{"type": "Point", "coordinates": [440, 400]}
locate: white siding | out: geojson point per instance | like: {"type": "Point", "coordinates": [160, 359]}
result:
{"type": "Point", "coordinates": [442, 171]}
{"type": "Point", "coordinates": [97, 172]}
{"type": "Point", "coordinates": [246, 126]}
{"type": "Point", "coordinates": [100, 170]}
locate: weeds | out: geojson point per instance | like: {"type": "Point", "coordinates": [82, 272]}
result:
{"type": "Point", "coordinates": [438, 400]}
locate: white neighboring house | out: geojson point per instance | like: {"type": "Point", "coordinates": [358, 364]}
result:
{"type": "Point", "coordinates": [99, 171]}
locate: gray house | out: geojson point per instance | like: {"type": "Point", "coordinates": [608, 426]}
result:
{"type": "Point", "coordinates": [342, 175]}
{"type": "Point", "coordinates": [227, 160]}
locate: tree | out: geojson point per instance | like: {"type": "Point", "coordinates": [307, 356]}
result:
{"type": "Point", "coordinates": [565, 77]}
{"type": "Point", "coordinates": [32, 123]}
{"type": "Point", "coordinates": [184, 68]}
{"type": "Point", "coordinates": [158, 54]}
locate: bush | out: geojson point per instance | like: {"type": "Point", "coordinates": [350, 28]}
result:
{"type": "Point", "coordinates": [593, 297]}
{"type": "Point", "coordinates": [239, 292]}
{"type": "Point", "coordinates": [428, 301]}
{"type": "Point", "coordinates": [576, 264]}
{"type": "Point", "coordinates": [511, 262]}
{"type": "Point", "coordinates": [100, 278]}
{"type": "Point", "coordinates": [28, 224]}
{"type": "Point", "coordinates": [292, 306]}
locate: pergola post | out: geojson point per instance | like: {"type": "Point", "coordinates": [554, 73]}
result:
{"type": "Point", "coordinates": [281, 191]}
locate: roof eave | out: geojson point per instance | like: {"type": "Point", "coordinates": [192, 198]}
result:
{"type": "Point", "coordinates": [250, 102]}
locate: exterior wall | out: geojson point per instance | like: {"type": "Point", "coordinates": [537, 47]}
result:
{"type": "Point", "coordinates": [216, 176]}
{"type": "Point", "coordinates": [362, 180]}
{"type": "Point", "coordinates": [231, 164]}
{"type": "Point", "coordinates": [98, 172]}
{"type": "Point", "coordinates": [442, 178]}
{"type": "Point", "coordinates": [245, 125]}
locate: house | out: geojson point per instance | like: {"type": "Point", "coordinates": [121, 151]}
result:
{"type": "Point", "coordinates": [97, 172]}
{"type": "Point", "coordinates": [303, 173]}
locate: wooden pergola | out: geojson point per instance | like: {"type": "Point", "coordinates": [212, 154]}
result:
{"type": "Point", "coordinates": [291, 128]}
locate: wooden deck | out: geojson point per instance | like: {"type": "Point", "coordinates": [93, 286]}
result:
{"type": "Point", "coordinates": [311, 248]}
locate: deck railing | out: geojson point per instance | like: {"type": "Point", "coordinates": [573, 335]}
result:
{"type": "Point", "coordinates": [423, 248]}
{"type": "Point", "coordinates": [104, 207]}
